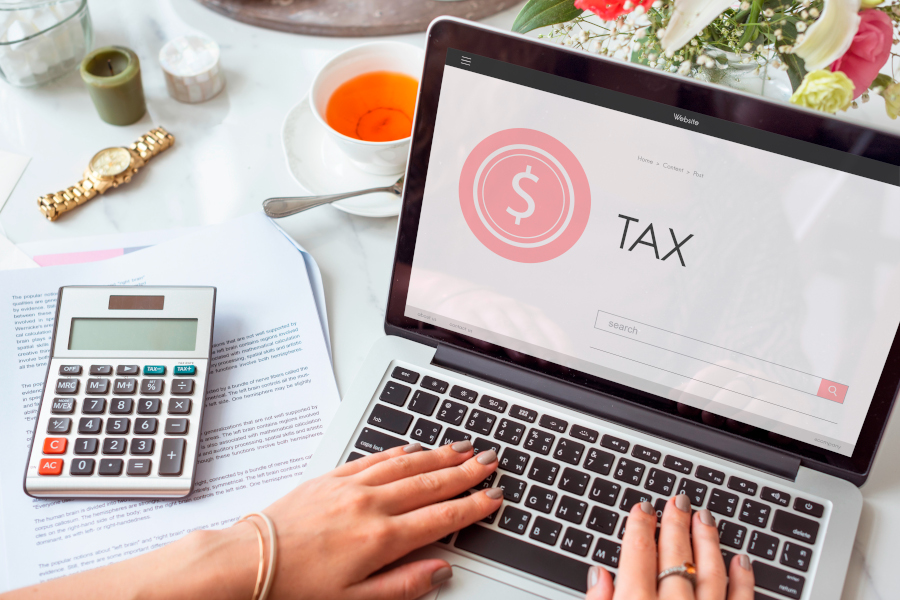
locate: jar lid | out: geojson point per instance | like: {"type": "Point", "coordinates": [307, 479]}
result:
{"type": "Point", "coordinates": [189, 55]}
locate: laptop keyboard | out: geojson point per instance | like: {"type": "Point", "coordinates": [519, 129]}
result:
{"type": "Point", "coordinates": [568, 486]}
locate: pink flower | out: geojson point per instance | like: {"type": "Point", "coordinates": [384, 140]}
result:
{"type": "Point", "coordinates": [610, 10]}
{"type": "Point", "coordinates": [869, 51]}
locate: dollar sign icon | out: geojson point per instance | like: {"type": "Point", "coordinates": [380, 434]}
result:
{"type": "Point", "coordinates": [526, 174]}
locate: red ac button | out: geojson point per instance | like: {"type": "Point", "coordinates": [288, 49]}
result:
{"type": "Point", "coordinates": [55, 445]}
{"type": "Point", "coordinates": [50, 466]}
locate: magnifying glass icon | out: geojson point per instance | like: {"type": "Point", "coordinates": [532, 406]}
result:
{"type": "Point", "coordinates": [832, 390]}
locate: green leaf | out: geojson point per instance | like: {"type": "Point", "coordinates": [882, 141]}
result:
{"type": "Point", "coordinates": [882, 81]}
{"type": "Point", "coordinates": [541, 13]}
{"type": "Point", "coordinates": [796, 69]}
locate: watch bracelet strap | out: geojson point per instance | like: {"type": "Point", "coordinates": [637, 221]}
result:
{"type": "Point", "coordinates": [152, 143]}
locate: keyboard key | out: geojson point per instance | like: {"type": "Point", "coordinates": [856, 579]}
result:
{"type": "Point", "coordinates": [461, 393]}
{"type": "Point", "coordinates": [404, 374]}
{"type": "Point", "coordinates": [117, 426]}
{"type": "Point", "coordinates": [151, 387]}
{"type": "Point", "coordinates": [63, 406]}
{"type": "Point", "coordinates": [426, 432]}
{"type": "Point", "coordinates": [145, 426]}
{"type": "Point", "coordinates": [452, 435]}
{"type": "Point", "coordinates": [574, 482]}
{"type": "Point", "coordinates": [539, 441]}
{"type": "Point", "coordinates": [372, 440]}
{"type": "Point", "coordinates": [101, 370]}
{"type": "Point", "coordinates": [796, 556]}
{"type": "Point", "coordinates": [154, 370]}
{"type": "Point", "coordinates": [660, 482]}
{"type": "Point", "coordinates": [632, 497]}
{"type": "Point", "coordinates": [452, 412]}
{"type": "Point", "coordinates": [350, 457]}
{"type": "Point", "coordinates": [722, 502]}
{"type": "Point", "coordinates": [171, 459]}
{"type": "Point", "coordinates": [148, 406]}
{"type": "Point", "coordinates": [614, 443]}
{"type": "Point", "coordinates": [121, 406]}
{"type": "Point", "coordinates": [142, 446]}
{"type": "Point", "coordinates": [777, 580]}
{"type": "Point", "coordinates": [182, 387]}
{"type": "Point", "coordinates": [423, 403]}
{"type": "Point", "coordinates": [583, 433]}
{"type": "Point", "coordinates": [176, 426]}
{"type": "Point", "coordinates": [97, 386]}
{"type": "Point", "coordinates": [433, 384]}
{"type": "Point", "coordinates": [678, 464]}
{"type": "Point", "coordinates": [394, 393]}
{"type": "Point", "coordinates": [128, 370]}
{"type": "Point", "coordinates": [727, 556]}
{"type": "Point", "coordinates": [481, 444]}
{"type": "Point", "coordinates": [732, 534]}
{"type": "Point", "coordinates": [659, 506]}
{"type": "Point", "coordinates": [540, 499]}
{"type": "Point", "coordinates": [50, 466]}
{"type": "Point", "coordinates": [569, 451]}
{"type": "Point", "coordinates": [385, 417]}
{"type": "Point", "coordinates": [82, 466]}
{"type": "Point", "coordinates": [93, 406]}
{"type": "Point", "coordinates": [770, 495]}
{"type": "Point", "coordinates": [59, 425]}
{"type": "Point", "coordinates": [114, 445]}
{"type": "Point", "coordinates": [525, 556]}
{"type": "Point", "coordinates": [90, 425]}
{"type": "Point", "coordinates": [86, 446]}
{"type": "Point", "coordinates": [494, 404]}
{"type": "Point", "coordinates": [602, 520]}
{"type": "Point", "coordinates": [55, 445]}
{"type": "Point", "coordinates": [480, 422]}
{"type": "Point", "coordinates": [710, 475]}
{"type": "Point", "coordinates": [629, 471]}
{"type": "Point", "coordinates": [553, 424]}
{"type": "Point", "coordinates": [599, 462]}
{"type": "Point", "coordinates": [604, 491]}
{"type": "Point", "coordinates": [110, 467]}
{"type": "Point", "coordinates": [571, 509]}
{"type": "Point", "coordinates": [644, 453]}
{"type": "Point", "coordinates": [491, 517]}
{"type": "Point", "coordinates": [695, 491]}
{"type": "Point", "coordinates": [66, 386]}
{"type": "Point", "coordinates": [124, 386]}
{"type": "Point", "coordinates": [577, 542]}
{"type": "Point", "coordinates": [514, 461]}
{"type": "Point", "coordinates": [545, 531]}
{"type": "Point", "coordinates": [515, 520]}
{"type": "Point", "coordinates": [179, 406]}
{"type": "Point", "coordinates": [139, 467]}
{"type": "Point", "coordinates": [742, 485]}
{"type": "Point", "coordinates": [522, 413]}
{"type": "Point", "coordinates": [755, 513]}
{"type": "Point", "coordinates": [543, 470]}
{"type": "Point", "coordinates": [795, 526]}
{"type": "Point", "coordinates": [510, 432]}
{"type": "Point", "coordinates": [814, 509]}
{"type": "Point", "coordinates": [513, 489]}
{"type": "Point", "coordinates": [762, 544]}
{"type": "Point", "coordinates": [621, 533]}
{"type": "Point", "coordinates": [607, 552]}
{"type": "Point", "coordinates": [70, 369]}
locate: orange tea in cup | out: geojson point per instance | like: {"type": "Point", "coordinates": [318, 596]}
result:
{"type": "Point", "coordinates": [374, 107]}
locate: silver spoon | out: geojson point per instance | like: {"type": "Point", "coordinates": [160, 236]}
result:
{"type": "Point", "coordinates": [285, 207]}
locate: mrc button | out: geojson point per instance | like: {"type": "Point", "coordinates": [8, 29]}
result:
{"type": "Point", "coordinates": [66, 386]}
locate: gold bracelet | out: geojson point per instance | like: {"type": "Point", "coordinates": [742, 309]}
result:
{"type": "Point", "coordinates": [273, 553]}
{"type": "Point", "coordinates": [262, 561]}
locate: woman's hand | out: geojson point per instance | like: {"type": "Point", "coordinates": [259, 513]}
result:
{"type": "Point", "coordinates": [640, 563]}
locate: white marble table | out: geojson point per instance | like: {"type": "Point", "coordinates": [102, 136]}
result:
{"type": "Point", "coordinates": [228, 158]}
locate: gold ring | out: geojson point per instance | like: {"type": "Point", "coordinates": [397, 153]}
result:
{"type": "Point", "coordinates": [686, 570]}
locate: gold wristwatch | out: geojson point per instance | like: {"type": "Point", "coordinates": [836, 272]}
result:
{"type": "Point", "coordinates": [108, 169]}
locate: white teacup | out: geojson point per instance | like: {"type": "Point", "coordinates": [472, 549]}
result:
{"type": "Point", "coordinates": [382, 158]}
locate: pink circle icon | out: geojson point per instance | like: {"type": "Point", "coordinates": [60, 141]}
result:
{"type": "Point", "coordinates": [524, 195]}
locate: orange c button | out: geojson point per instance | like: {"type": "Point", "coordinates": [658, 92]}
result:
{"type": "Point", "coordinates": [50, 466]}
{"type": "Point", "coordinates": [55, 445]}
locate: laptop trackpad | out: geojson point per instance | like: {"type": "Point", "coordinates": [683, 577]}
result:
{"type": "Point", "coordinates": [466, 585]}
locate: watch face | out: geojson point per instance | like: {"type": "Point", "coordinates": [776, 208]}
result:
{"type": "Point", "coordinates": [111, 162]}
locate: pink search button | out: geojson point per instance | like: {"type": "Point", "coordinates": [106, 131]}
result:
{"type": "Point", "coordinates": [832, 391]}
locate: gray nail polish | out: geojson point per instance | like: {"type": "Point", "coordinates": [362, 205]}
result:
{"type": "Point", "coordinates": [744, 561]}
{"type": "Point", "coordinates": [706, 518]}
{"type": "Point", "coordinates": [647, 508]}
{"type": "Point", "coordinates": [487, 457]}
{"type": "Point", "coordinates": [683, 503]}
{"type": "Point", "coordinates": [441, 575]}
{"type": "Point", "coordinates": [593, 576]}
{"type": "Point", "coordinates": [461, 446]}
{"type": "Point", "coordinates": [494, 493]}
{"type": "Point", "coordinates": [412, 448]}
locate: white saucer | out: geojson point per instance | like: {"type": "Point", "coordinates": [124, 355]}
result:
{"type": "Point", "coordinates": [319, 166]}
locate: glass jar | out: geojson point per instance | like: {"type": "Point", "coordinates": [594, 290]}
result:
{"type": "Point", "coordinates": [41, 40]}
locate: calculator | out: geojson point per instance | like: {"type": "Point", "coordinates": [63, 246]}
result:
{"type": "Point", "coordinates": [122, 403]}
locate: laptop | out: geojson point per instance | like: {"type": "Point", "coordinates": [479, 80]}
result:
{"type": "Point", "coordinates": [632, 284]}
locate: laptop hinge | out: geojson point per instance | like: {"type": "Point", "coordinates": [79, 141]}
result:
{"type": "Point", "coordinates": [620, 411]}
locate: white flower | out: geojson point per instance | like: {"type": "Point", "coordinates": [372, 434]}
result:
{"type": "Point", "coordinates": [745, 6]}
{"type": "Point", "coordinates": [828, 38]}
{"type": "Point", "coordinates": [748, 46]}
{"type": "Point", "coordinates": [801, 26]}
{"type": "Point", "coordinates": [769, 13]}
{"type": "Point", "coordinates": [685, 68]}
{"type": "Point", "coordinates": [657, 4]}
{"type": "Point", "coordinates": [690, 18]}
{"type": "Point", "coordinates": [814, 12]}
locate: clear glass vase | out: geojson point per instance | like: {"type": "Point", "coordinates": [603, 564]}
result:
{"type": "Point", "coordinates": [41, 40]}
{"type": "Point", "coordinates": [733, 72]}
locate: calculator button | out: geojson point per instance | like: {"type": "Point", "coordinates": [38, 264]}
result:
{"type": "Point", "coordinates": [59, 425]}
{"type": "Point", "coordinates": [110, 466]}
{"type": "Point", "coordinates": [182, 387]}
{"type": "Point", "coordinates": [128, 370]}
{"type": "Point", "coordinates": [66, 386]}
{"type": "Point", "coordinates": [145, 426]}
{"type": "Point", "coordinates": [176, 426]}
{"type": "Point", "coordinates": [101, 370]}
{"type": "Point", "coordinates": [63, 406]}
{"type": "Point", "coordinates": [97, 386]}
{"type": "Point", "coordinates": [82, 466]}
{"type": "Point", "coordinates": [121, 406]}
{"type": "Point", "coordinates": [179, 406]}
{"type": "Point", "coordinates": [125, 386]}
{"type": "Point", "coordinates": [154, 370]}
{"type": "Point", "coordinates": [142, 446]}
{"type": "Point", "coordinates": [151, 386]}
{"type": "Point", "coordinates": [119, 426]}
{"type": "Point", "coordinates": [53, 445]}
{"type": "Point", "coordinates": [50, 466]}
{"type": "Point", "coordinates": [86, 446]}
{"type": "Point", "coordinates": [114, 445]}
{"type": "Point", "coordinates": [148, 406]}
{"type": "Point", "coordinates": [185, 370]}
{"type": "Point", "coordinates": [171, 457]}
{"type": "Point", "coordinates": [70, 369]}
{"type": "Point", "coordinates": [90, 425]}
{"type": "Point", "coordinates": [93, 406]}
{"type": "Point", "coordinates": [139, 467]}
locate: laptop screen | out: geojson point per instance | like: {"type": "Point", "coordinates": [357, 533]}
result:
{"type": "Point", "coordinates": [744, 274]}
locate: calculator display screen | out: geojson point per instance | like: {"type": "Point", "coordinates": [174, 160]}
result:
{"type": "Point", "coordinates": [133, 334]}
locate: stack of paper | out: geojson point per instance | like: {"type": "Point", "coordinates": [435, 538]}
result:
{"type": "Point", "coordinates": [271, 394]}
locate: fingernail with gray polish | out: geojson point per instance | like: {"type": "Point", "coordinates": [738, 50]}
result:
{"type": "Point", "coordinates": [412, 448]}
{"type": "Point", "coordinates": [593, 576]}
{"type": "Point", "coordinates": [487, 457]}
{"type": "Point", "coordinates": [461, 446]}
{"type": "Point", "coordinates": [441, 575]}
{"type": "Point", "coordinates": [744, 561]}
{"type": "Point", "coordinates": [683, 503]}
{"type": "Point", "coordinates": [494, 493]}
{"type": "Point", "coordinates": [706, 518]}
{"type": "Point", "coordinates": [647, 508]}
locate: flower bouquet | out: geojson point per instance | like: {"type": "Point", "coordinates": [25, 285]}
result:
{"type": "Point", "coordinates": [832, 50]}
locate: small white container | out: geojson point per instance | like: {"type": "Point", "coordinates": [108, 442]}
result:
{"type": "Point", "coordinates": [191, 66]}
